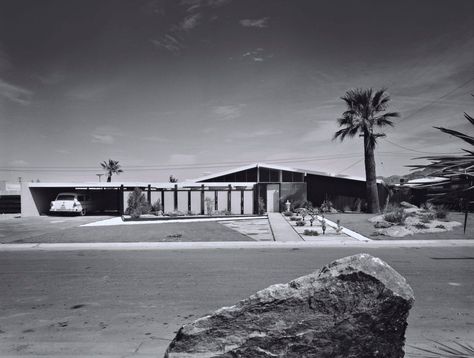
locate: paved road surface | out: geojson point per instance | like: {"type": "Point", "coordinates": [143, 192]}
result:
{"type": "Point", "coordinates": [130, 303]}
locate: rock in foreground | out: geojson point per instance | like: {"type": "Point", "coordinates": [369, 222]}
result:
{"type": "Point", "coordinates": [354, 307]}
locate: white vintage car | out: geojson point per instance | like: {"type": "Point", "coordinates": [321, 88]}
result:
{"type": "Point", "coordinates": [75, 203]}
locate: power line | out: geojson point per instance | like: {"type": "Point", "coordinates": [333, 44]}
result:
{"type": "Point", "coordinates": [418, 151]}
{"type": "Point", "coordinates": [438, 99]}
{"type": "Point", "coordinates": [350, 166]}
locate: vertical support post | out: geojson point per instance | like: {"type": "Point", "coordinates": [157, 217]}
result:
{"type": "Point", "coordinates": [242, 201]}
{"type": "Point", "coordinates": [175, 197]}
{"type": "Point", "coordinates": [202, 199]}
{"type": "Point", "coordinates": [216, 200]}
{"type": "Point", "coordinates": [189, 200]}
{"type": "Point", "coordinates": [148, 194]}
{"type": "Point", "coordinates": [163, 200]}
{"type": "Point", "coordinates": [229, 199]}
{"type": "Point", "coordinates": [258, 174]}
{"type": "Point", "coordinates": [121, 200]}
{"type": "Point", "coordinates": [280, 176]}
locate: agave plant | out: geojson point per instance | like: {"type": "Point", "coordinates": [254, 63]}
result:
{"type": "Point", "coordinates": [442, 350]}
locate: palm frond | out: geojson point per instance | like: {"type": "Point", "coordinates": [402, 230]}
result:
{"type": "Point", "coordinates": [457, 134]}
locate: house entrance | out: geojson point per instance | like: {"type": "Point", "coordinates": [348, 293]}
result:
{"type": "Point", "coordinates": [273, 198]}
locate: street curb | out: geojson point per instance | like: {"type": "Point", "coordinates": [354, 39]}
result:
{"type": "Point", "coordinates": [134, 246]}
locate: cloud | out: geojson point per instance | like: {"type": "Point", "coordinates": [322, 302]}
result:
{"type": "Point", "coordinates": [190, 22]}
{"type": "Point", "coordinates": [228, 113]}
{"type": "Point", "coordinates": [18, 163]}
{"type": "Point", "coordinates": [259, 23]}
{"type": "Point", "coordinates": [182, 159]}
{"type": "Point", "coordinates": [89, 92]}
{"type": "Point", "coordinates": [103, 138]}
{"type": "Point", "coordinates": [169, 43]}
{"type": "Point", "coordinates": [156, 139]}
{"type": "Point", "coordinates": [254, 134]}
{"type": "Point", "coordinates": [15, 93]}
{"type": "Point", "coordinates": [51, 79]}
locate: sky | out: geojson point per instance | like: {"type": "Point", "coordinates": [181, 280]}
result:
{"type": "Point", "coordinates": [191, 87]}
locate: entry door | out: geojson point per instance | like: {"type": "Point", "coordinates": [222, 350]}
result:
{"type": "Point", "coordinates": [273, 198]}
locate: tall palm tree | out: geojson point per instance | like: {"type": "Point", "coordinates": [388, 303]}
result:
{"type": "Point", "coordinates": [111, 167]}
{"type": "Point", "coordinates": [366, 111]}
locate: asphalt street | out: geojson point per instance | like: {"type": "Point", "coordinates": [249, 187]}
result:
{"type": "Point", "coordinates": [131, 303]}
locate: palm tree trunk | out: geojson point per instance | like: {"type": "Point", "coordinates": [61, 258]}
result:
{"type": "Point", "coordinates": [370, 178]}
{"type": "Point", "coordinates": [109, 178]}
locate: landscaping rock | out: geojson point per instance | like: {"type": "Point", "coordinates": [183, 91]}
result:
{"type": "Point", "coordinates": [354, 307]}
{"type": "Point", "coordinates": [396, 231]}
{"type": "Point", "coordinates": [382, 224]}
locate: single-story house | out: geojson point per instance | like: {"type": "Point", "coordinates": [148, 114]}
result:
{"type": "Point", "coordinates": [242, 190]}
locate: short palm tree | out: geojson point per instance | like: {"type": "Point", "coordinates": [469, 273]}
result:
{"type": "Point", "coordinates": [111, 167]}
{"type": "Point", "coordinates": [366, 111]}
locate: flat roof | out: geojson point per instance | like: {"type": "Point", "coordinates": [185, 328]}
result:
{"type": "Point", "coordinates": [161, 185]}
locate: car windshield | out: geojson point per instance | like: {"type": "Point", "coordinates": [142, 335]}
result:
{"type": "Point", "coordinates": [65, 197]}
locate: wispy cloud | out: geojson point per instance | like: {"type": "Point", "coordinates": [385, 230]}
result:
{"type": "Point", "coordinates": [51, 78]}
{"type": "Point", "coordinates": [228, 113]}
{"type": "Point", "coordinates": [182, 159]}
{"type": "Point", "coordinates": [103, 138]}
{"type": "Point", "coordinates": [15, 93]}
{"type": "Point", "coordinates": [170, 43]}
{"type": "Point", "coordinates": [259, 23]}
{"type": "Point", "coordinates": [253, 134]}
{"type": "Point", "coordinates": [190, 22]}
{"type": "Point", "coordinates": [89, 92]}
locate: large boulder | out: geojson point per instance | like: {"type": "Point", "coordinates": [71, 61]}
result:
{"type": "Point", "coordinates": [354, 307]}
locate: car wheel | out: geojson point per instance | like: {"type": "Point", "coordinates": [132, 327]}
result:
{"type": "Point", "coordinates": [83, 212]}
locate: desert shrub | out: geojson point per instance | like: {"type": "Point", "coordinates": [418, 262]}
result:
{"type": "Point", "coordinates": [137, 204]}
{"type": "Point", "coordinates": [440, 226]}
{"type": "Point", "coordinates": [295, 218]}
{"type": "Point", "coordinates": [420, 226]}
{"type": "Point", "coordinates": [326, 206]}
{"type": "Point", "coordinates": [310, 232]}
{"type": "Point", "coordinates": [298, 204]}
{"type": "Point", "coordinates": [300, 223]}
{"type": "Point", "coordinates": [346, 208]}
{"type": "Point", "coordinates": [156, 206]}
{"type": "Point", "coordinates": [288, 213]}
{"type": "Point", "coordinates": [209, 205]}
{"type": "Point", "coordinates": [427, 217]}
{"type": "Point", "coordinates": [396, 216]}
{"type": "Point", "coordinates": [440, 212]}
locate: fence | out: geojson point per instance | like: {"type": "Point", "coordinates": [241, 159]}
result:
{"type": "Point", "coordinates": [230, 199]}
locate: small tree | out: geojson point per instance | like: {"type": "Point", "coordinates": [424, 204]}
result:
{"type": "Point", "coordinates": [173, 179]}
{"type": "Point", "coordinates": [137, 204]}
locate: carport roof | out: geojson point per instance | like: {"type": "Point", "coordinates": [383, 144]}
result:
{"type": "Point", "coordinates": [116, 185]}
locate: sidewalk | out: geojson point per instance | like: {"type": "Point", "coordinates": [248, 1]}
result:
{"type": "Point", "coordinates": [282, 231]}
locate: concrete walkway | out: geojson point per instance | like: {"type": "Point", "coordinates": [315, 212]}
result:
{"type": "Point", "coordinates": [282, 231]}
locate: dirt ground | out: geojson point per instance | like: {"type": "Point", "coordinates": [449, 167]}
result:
{"type": "Point", "coordinates": [360, 223]}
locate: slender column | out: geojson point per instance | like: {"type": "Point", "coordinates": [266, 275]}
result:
{"type": "Point", "coordinates": [163, 200]}
{"type": "Point", "coordinates": [216, 200]}
{"type": "Point", "coordinates": [148, 194]}
{"type": "Point", "coordinates": [202, 199]}
{"type": "Point", "coordinates": [121, 200]}
{"type": "Point", "coordinates": [242, 202]}
{"type": "Point", "coordinates": [229, 198]}
{"type": "Point", "coordinates": [175, 197]}
{"type": "Point", "coordinates": [189, 200]}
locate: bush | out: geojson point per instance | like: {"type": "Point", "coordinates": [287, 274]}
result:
{"type": "Point", "coordinates": [326, 206]}
{"type": "Point", "coordinates": [295, 218]}
{"type": "Point", "coordinates": [300, 223]}
{"type": "Point", "coordinates": [396, 216]}
{"type": "Point", "coordinates": [441, 212]}
{"type": "Point", "coordinates": [440, 226]}
{"type": "Point", "coordinates": [420, 226]}
{"type": "Point", "coordinates": [174, 213]}
{"type": "Point", "coordinates": [156, 206]}
{"type": "Point", "coordinates": [310, 232]}
{"type": "Point", "coordinates": [137, 204]}
{"type": "Point", "coordinates": [288, 213]}
{"type": "Point", "coordinates": [427, 217]}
